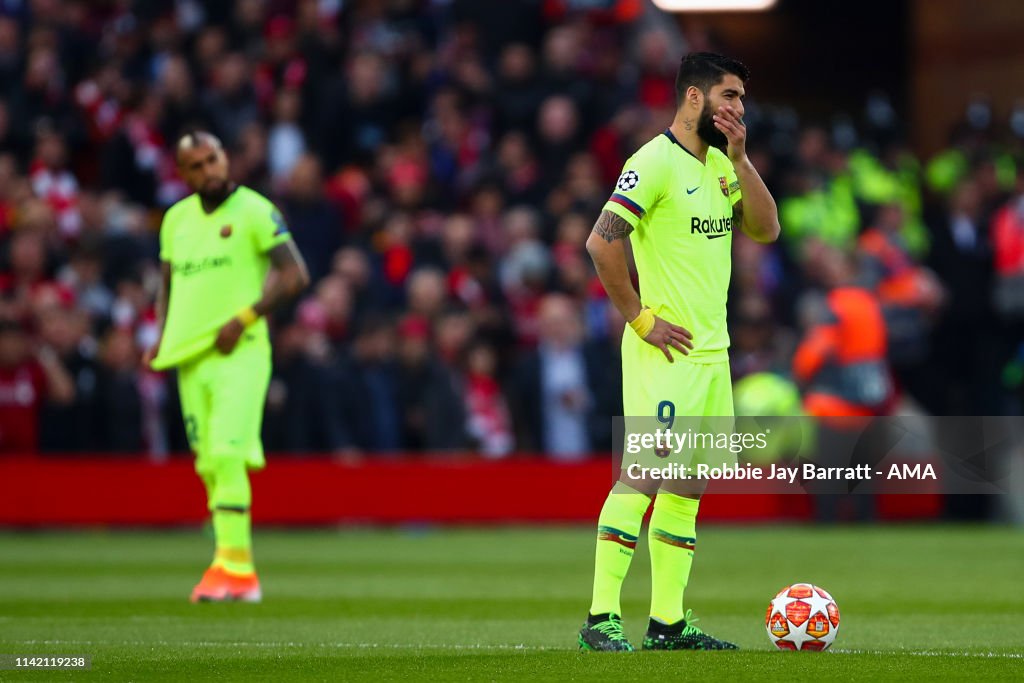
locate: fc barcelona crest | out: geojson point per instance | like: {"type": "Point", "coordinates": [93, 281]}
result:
{"type": "Point", "coordinates": [225, 232]}
{"type": "Point", "coordinates": [724, 184]}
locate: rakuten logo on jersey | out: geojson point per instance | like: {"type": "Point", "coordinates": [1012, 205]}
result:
{"type": "Point", "coordinates": [712, 228]}
{"type": "Point", "coordinates": [187, 268]}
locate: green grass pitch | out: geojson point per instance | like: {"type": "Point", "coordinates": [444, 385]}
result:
{"type": "Point", "coordinates": [506, 603]}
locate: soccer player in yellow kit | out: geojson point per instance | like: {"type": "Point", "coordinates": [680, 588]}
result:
{"type": "Point", "coordinates": [678, 200]}
{"type": "Point", "coordinates": [217, 248]}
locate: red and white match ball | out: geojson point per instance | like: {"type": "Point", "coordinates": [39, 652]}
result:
{"type": "Point", "coordinates": [802, 617]}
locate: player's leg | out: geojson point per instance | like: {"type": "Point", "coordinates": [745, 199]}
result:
{"type": "Point", "coordinates": [672, 535]}
{"type": "Point", "coordinates": [195, 409]}
{"type": "Point", "coordinates": [618, 529]}
{"type": "Point", "coordinates": [195, 412]}
{"type": "Point", "coordinates": [232, 528]}
{"type": "Point", "coordinates": [673, 528]}
{"type": "Point", "coordinates": [238, 395]}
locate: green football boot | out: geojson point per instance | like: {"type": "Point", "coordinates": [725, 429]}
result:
{"type": "Point", "coordinates": [603, 633]}
{"type": "Point", "coordinates": [682, 635]}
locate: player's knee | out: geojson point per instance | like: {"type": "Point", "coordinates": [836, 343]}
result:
{"type": "Point", "coordinates": [676, 502]}
{"type": "Point", "coordinates": [645, 487]}
{"type": "Point", "coordinates": [210, 484]}
{"type": "Point", "coordinates": [232, 483]}
{"type": "Point", "coordinates": [685, 488]}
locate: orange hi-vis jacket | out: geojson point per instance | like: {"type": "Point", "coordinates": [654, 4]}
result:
{"type": "Point", "coordinates": [842, 360]}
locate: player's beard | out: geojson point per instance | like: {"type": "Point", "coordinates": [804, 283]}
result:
{"type": "Point", "coordinates": [707, 131]}
{"type": "Point", "coordinates": [215, 193]}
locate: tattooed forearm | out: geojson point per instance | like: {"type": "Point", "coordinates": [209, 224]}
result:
{"type": "Point", "coordinates": [612, 227]}
{"type": "Point", "coordinates": [288, 277]}
{"type": "Point", "coordinates": [607, 248]}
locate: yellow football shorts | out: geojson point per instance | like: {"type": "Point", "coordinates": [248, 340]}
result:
{"type": "Point", "coordinates": [684, 397]}
{"type": "Point", "coordinates": [222, 401]}
{"type": "Point", "coordinates": [652, 387]}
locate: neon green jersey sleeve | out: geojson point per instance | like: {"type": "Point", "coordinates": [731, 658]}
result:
{"type": "Point", "coordinates": [267, 227]}
{"type": "Point", "coordinates": [640, 186]}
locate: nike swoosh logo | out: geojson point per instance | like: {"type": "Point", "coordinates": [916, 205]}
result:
{"type": "Point", "coordinates": [715, 237]}
{"type": "Point", "coordinates": [693, 190]}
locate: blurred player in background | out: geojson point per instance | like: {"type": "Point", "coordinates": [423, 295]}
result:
{"type": "Point", "coordinates": [678, 200]}
{"type": "Point", "coordinates": [228, 260]}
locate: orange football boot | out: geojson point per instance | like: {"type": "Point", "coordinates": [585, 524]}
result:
{"type": "Point", "coordinates": [244, 587]}
{"type": "Point", "coordinates": [218, 585]}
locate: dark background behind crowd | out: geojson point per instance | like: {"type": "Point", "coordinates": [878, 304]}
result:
{"type": "Point", "coordinates": [440, 164]}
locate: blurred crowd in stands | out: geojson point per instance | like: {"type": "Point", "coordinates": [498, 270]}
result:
{"type": "Point", "coordinates": [440, 164]}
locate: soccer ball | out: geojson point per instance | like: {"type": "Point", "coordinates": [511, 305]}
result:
{"type": "Point", "coordinates": [802, 617]}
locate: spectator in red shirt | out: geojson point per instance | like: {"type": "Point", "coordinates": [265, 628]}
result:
{"type": "Point", "coordinates": [25, 383]}
{"type": "Point", "coordinates": [25, 284]}
{"type": "Point", "coordinates": [54, 183]}
{"type": "Point", "coordinates": [488, 420]}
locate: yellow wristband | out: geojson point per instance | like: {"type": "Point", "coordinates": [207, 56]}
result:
{"type": "Point", "coordinates": [643, 323]}
{"type": "Point", "coordinates": [248, 316]}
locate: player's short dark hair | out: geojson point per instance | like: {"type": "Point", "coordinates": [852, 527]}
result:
{"type": "Point", "coordinates": [705, 70]}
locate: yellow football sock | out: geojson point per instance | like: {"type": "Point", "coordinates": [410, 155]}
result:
{"type": "Point", "coordinates": [617, 530]}
{"type": "Point", "coordinates": [673, 537]}
{"type": "Point", "coordinates": [232, 521]}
